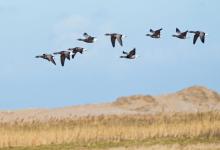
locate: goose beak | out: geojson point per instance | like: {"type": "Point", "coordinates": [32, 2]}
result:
{"type": "Point", "coordinates": [124, 36]}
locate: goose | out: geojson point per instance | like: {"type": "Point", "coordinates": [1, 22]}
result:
{"type": "Point", "coordinates": [63, 55]}
{"type": "Point", "coordinates": [155, 34]}
{"type": "Point", "coordinates": [88, 38]}
{"type": "Point", "coordinates": [130, 55]}
{"type": "Point", "coordinates": [197, 34]}
{"type": "Point", "coordinates": [48, 57]}
{"type": "Point", "coordinates": [77, 50]}
{"type": "Point", "coordinates": [180, 35]}
{"type": "Point", "coordinates": [114, 37]}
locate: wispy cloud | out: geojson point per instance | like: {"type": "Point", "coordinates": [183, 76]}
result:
{"type": "Point", "coordinates": [68, 29]}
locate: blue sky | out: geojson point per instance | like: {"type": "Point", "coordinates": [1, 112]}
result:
{"type": "Point", "coordinates": [166, 65]}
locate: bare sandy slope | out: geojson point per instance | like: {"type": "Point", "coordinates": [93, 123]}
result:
{"type": "Point", "coordinates": [193, 99]}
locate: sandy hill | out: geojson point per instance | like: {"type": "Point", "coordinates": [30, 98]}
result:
{"type": "Point", "coordinates": [193, 99]}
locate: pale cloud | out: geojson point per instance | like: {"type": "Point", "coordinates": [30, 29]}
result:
{"type": "Point", "coordinates": [73, 22]}
{"type": "Point", "coordinates": [68, 29]}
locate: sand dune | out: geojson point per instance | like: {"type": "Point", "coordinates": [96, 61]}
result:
{"type": "Point", "coordinates": [193, 99]}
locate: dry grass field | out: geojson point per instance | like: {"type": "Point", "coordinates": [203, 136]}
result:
{"type": "Point", "coordinates": [102, 132]}
{"type": "Point", "coordinates": [186, 120]}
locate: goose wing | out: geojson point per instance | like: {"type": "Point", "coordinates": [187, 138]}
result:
{"type": "Point", "coordinates": [51, 59]}
{"type": "Point", "coordinates": [152, 31]}
{"type": "Point", "coordinates": [202, 37]}
{"type": "Point", "coordinates": [178, 30]}
{"type": "Point", "coordinates": [62, 59]}
{"type": "Point", "coordinates": [113, 38]}
{"type": "Point", "coordinates": [80, 50]}
{"type": "Point", "coordinates": [119, 39]}
{"type": "Point", "coordinates": [73, 55]}
{"type": "Point", "coordinates": [86, 35]}
{"type": "Point", "coordinates": [195, 38]}
{"type": "Point", "coordinates": [132, 53]}
{"type": "Point", "coordinates": [157, 32]}
{"type": "Point", "coordinates": [67, 55]}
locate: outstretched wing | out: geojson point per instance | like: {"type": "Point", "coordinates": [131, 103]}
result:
{"type": "Point", "coordinates": [132, 53]}
{"type": "Point", "coordinates": [195, 38]}
{"type": "Point", "coordinates": [52, 60]}
{"type": "Point", "coordinates": [80, 50]}
{"type": "Point", "coordinates": [62, 59]}
{"type": "Point", "coordinates": [202, 37]}
{"type": "Point", "coordinates": [68, 56]}
{"type": "Point", "coordinates": [113, 38]}
{"type": "Point", "coordinates": [157, 32]}
{"type": "Point", "coordinates": [152, 31]}
{"type": "Point", "coordinates": [119, 39]}
{"type": "Point", "coordinates": [73, 55]}
{"type": "Point", "coordinates": [86, 35]}
{"type": "Point", "coordinates": [178, 30]}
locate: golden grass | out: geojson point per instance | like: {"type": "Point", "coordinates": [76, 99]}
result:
{"type": "Point", "coordinates": [173, 147]}
{"type": "Point", "coordinates": [90, 130]}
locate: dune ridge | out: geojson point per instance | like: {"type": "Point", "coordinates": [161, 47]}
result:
{"type": "Point", "coordinates": [190, 100]}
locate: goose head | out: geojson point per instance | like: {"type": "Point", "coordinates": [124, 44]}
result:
{"type": "Point", "coordinates": [124, 36]}
{"type": "Point", "coordinates": [136, 56]}
{"type": "Point", "coordinates": [95, 39]}
{"type": "Point", "coordinates": [107, 34]}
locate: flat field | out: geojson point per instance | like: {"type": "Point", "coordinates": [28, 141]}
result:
{"type": "Point", "coordinates": [115, 132]}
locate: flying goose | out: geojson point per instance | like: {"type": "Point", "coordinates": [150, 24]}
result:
{"type": "Point", "coordinates": [198, 34]}
{"type": "Point", "coordinates": [48, 57]}
{"type": "Point", "coordinates": [76, 50]}
{"type": "Point", "coordinates": [130, 55]}
{"type": "Point", "coordinates": [155, 34]}
{"type": "Point", "coordinates": [114, 37]}
{"type": "Point", "coordinates": [88, 38]}
{"type": "Point", "coordinates": [180, 35]}
{"type": "Point", "coordinates": [63, 56]}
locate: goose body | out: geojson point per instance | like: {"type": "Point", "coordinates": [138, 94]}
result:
{"type": "Point", "coordinates": [155, 34]}
{"type": "Point", "coordinates": [197, 34]}
{"type": "Point", "coordinates": [76, 50]}
{"type": "Point", "coordinates": [129, 55]}
{"type": "Point", "coordinates": [63, 55]}
{"type": "Point", "coordinates": [180, 35]}
{"type": "Point", "coordinates": [48, 57]}
{"type": "Point", "coordinates": [88, 38]}
{"type": "Point", "coordinates": [114, 37]}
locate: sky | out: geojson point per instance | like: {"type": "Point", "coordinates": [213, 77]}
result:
{"type": "Point", "coordinates": [29, 28]}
